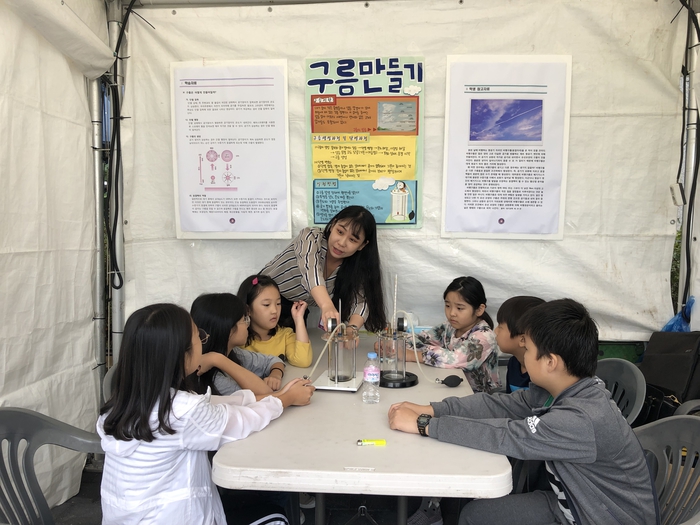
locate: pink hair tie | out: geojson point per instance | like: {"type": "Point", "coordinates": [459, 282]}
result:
{"type": "Point", "coordinates": [255, 281]}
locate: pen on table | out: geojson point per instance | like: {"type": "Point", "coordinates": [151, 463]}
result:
{"type": "Point", "coordinates": [371, 442]}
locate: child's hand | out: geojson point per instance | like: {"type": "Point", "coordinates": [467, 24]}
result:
{"type": "Point", "coordinates": [417, 409]}
{"type": "Point", "coordinates": [298, 309]}
{"type": "Point", "coordinates": [403, 418]}
{"type": "Point", "coordinates": [273, 382]}
{"type": "Point", "coordinates": [296, 392]}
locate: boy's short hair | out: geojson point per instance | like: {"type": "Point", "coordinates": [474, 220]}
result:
{"type": "Point", "coordinates": [565, 328]}
{"type": "Point", "coordinates": [513, 309]}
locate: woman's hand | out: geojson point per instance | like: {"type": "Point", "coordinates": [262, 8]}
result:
{"type": "Point", "coordinates": [329, 312]}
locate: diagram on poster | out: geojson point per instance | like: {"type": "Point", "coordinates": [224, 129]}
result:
{"type": "Point", "coordinates": [365, 139]}
{"type": "Point", "coordinates": [506, 128]}
{"type": "Point", "coordinates": [231, 149]}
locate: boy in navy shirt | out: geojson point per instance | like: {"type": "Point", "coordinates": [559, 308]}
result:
{"type": "Point", "coordinates": [510, 339]}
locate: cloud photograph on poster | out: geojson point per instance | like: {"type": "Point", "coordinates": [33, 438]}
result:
{"type": "Point", "coordinates": [506, 120]}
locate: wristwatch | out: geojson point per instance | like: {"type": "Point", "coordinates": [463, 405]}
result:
{"type": "Point", "coordinates": [423, 421]}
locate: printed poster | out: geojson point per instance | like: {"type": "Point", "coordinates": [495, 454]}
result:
{"type": "Point", "coordinates": [506, 146]}
{"type": "Point", "coordinates": [230, 149]}
{"type": "Point", "coordinates": [365, 137]}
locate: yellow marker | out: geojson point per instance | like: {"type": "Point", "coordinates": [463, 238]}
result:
{"type": "Point", "coordinates": [371, 442]}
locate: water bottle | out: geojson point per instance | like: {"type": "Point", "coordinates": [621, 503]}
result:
{"type": "Point", "coordinates": [370, 390]}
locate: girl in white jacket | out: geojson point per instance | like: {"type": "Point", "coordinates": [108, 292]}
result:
{"type": "Point", "coordinates": [156, 433]}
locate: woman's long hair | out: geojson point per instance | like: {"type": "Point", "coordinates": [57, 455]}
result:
{"type": "Point", "coordinates": [217, 314]}
{"type": "Point", "coordinates": [360, 275]}
{"type": "Point", "coordinates": [472, 292]}
{"type": "Point", "coordinates": [151, 362]}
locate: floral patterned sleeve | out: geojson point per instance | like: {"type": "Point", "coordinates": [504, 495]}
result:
{"type": "Point", "coordinates": [469, 353]}
{"type": "Point", "coordinates": [429, 340]}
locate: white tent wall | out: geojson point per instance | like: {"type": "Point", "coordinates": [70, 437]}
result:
{"type": "Point", "coordinates": [47, 214]}
{"type": "Point", "coordinates": [623, 148]}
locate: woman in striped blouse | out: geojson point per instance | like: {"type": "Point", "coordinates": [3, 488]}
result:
{"type": "Point", "coordinates": [337, 264]}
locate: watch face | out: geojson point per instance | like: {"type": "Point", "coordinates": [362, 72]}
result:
{"type": "Point", "coordinates": [423, 421]}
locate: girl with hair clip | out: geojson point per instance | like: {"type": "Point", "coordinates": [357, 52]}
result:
{"type": "Point", "coordinates": [336, 265]}
{"type": "Point", "coordinates": [262, 298]}
{"type": "Point", "coordinates": [466, 340]}
{"type": "Point", "coordinates": [156, 433]}
{"type": "Point", "coordinates": [225, 367]}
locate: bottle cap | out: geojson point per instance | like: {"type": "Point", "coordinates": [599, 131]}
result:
{"type": "Point", "coordinates": [372, 355]}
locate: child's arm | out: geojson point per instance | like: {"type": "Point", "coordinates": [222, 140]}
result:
{"type": "Point", "coordinates": [270, 368]}
{"type": "Point", "coordinates": [564, 434]}
{"type": "Point", "coordinates": [245, 378]}
{"type": "Point", "coordinates": [297, 346]}
{"type": "Point", "coordinates": [298, 309]}
{"type": "Point", "coordinates": [274, 379]}
{"type": "Point", "coordinates": [297, 392]}
{"type": "Point", "coordinates": [469, 353]}
{"type": "Point", "coordinates": [426, 340]}
{"type": "Point", "coordinates": [216, 420]}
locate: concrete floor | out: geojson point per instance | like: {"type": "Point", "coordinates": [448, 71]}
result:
{"type": "Point", "coordinates": [84, 508]}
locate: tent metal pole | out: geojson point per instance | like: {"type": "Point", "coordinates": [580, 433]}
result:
{"type": "Point", "coordinates": [114, 19]}
{"type": "Point", "coordinates": [690, 160]}
{"type": "Point", "coordinates": [99, 302]}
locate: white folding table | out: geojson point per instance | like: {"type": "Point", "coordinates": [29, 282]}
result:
{"type": "Point", "coordinates": [314, 448]}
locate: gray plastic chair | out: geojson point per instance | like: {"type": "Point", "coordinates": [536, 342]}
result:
{"type": "Point", "coordinates": [672, 446]}
{"type": "Point", "coordinates": [626, 383]}
{"type": "Point", "coordinates": [691, 407]}
{"type": "Point", "coordinates": [21, 499]}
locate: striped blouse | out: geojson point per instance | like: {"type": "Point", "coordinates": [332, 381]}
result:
{"type": "Point", "coordinates": [300, 267]}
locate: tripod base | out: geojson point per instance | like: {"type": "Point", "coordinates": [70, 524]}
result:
{"type": "Point", "coordinates": [410, 379]}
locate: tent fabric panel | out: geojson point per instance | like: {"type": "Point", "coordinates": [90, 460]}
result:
{"type": "Point", "coordinates": [623, 149]}
{"type": "Point", "coordinates": [47, 211]}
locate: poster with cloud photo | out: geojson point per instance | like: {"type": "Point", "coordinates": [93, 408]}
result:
{"type": "Point", "coordinates": [506, 129]}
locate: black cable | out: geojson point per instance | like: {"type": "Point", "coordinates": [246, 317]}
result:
{"type": "Point", "coordinates": [121, 36]}
{"type": "Point", "coordinates": [692, 18]}
{"type": "Point", "coordinates": [693, 188]}
{"type": "Point", "coordinates": [114, 160]}
{"type": "Point", "coordinates": [113, 182]}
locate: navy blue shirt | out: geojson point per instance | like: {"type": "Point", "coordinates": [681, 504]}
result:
{"type": "Point", "coordinates": [515, 379]}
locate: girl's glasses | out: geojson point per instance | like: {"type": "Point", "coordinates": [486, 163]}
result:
{"type": "Point", "coordinates": [203, 336]}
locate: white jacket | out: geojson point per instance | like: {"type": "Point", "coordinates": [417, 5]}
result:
{"type": "Point", "coordinates": [168, 481]}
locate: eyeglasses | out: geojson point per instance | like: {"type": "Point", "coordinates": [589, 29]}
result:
{"type": "Point", "coordinates": [203, 336]}
{"type": "Point", "coordinates": [245, 319]}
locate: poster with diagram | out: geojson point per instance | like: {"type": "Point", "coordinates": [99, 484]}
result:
{"type": "Point", "coordinates": [230, 149]}
{"type": "Point", "coordinates": [506, 144]}
{"type": "Point", "coordinates": [365, 137]}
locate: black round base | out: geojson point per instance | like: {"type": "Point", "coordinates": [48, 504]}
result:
{"type": "Point", "coordinates": [404, 382]}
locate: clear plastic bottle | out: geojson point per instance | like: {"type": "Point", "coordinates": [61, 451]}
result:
{"type": "Point", "coordinates": [370, 388]}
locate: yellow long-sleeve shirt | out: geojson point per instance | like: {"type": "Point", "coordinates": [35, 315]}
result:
{"type": "Point", "coordinates": [285, 342]}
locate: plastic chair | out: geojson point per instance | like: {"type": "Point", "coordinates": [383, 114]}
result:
{"type": "Point", "coordinates": [626, 383]}
{"type": "Point", "coordinates": [691, 407]}
{"type": "Point", "coordinates": [672, 447]}
{"type": "Point", "coordinates": [21, 499]}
